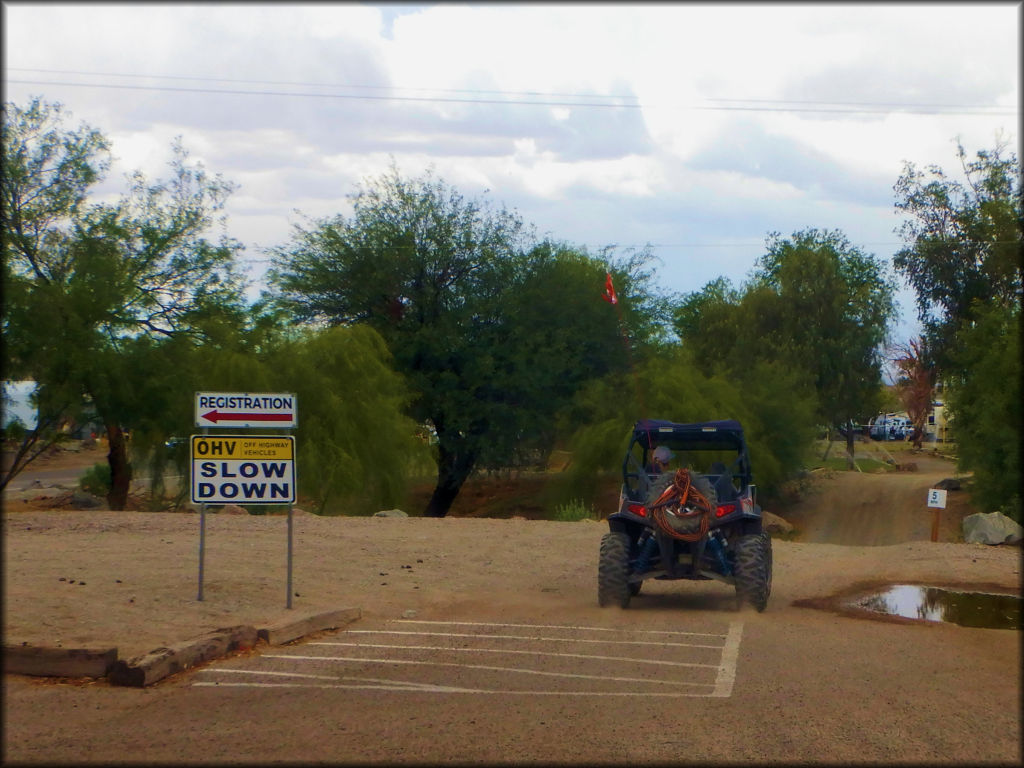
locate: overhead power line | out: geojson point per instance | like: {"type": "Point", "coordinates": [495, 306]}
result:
{"type": "Point", "coordinates": [548, 94]}
{"type": "Point", "coordinates": [307, 84]}
{"type": "Point", "coordinates": [751, 244]}
{"type": "Point", "coordinates": [517, 98]}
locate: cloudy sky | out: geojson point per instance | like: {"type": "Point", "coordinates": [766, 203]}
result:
{"type": "Point", "coordinates": [697, 129]}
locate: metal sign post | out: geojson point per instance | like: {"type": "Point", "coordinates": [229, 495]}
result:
{"type": "Point", "coordinates": [288, 601]}
{"type": "Point", "coordinates": [243, 469]}
{"type": "Point", "coordinates": [202, 547]}
{"type": "Point", "coordinates": [202, 541]}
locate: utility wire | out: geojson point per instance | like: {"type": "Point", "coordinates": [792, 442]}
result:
{"type": "Point", "coordinates": [502, 92]}
{"type": "Point", "coordinates": [522, 102]}
{"type": "Point", "coordinates": [321, 85]}
{"type": "Point", "coordinates": [752, 244]}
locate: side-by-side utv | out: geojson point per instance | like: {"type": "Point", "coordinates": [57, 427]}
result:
{"type": "Point", "coordinates": [694, 519]}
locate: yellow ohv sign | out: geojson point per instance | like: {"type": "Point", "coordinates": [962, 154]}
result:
{"type": "Point", "coordinates": [222, 447]}
{"type": "Point", "coordinates": [243, 470]}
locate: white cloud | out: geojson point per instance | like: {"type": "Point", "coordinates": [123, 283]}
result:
{"type": "Point", "coordinates": [670, 171]}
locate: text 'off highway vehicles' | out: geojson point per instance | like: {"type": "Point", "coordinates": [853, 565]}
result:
{"type": "Point", "coordinates": [694, 517]}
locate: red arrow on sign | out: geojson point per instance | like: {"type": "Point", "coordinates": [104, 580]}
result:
{"type": "Point", "coordinates": [217, 416]}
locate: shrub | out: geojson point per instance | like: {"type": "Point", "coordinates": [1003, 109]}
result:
{"type": "Point", "coordinates": [574, 511]}
{"type": "Point", "coordinates": [985, 402]}
{"type": "Point", "coordinates": [96, 480]}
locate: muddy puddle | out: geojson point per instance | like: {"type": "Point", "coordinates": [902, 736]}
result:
{"type": "Point", "coordinates": [979, 610]}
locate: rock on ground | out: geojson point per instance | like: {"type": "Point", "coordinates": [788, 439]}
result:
{"type": "Point", "coordinates": [991, 528]}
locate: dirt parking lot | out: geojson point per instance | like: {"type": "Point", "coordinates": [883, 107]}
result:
{"type": "Point", "coordinates": [130, 580]}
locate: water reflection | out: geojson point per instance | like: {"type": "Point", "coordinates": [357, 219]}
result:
{"type": "Point", "coordinates": [967, 609]}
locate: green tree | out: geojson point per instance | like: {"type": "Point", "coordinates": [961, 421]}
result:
{"type": "Point", "coordinates": [43, 187]}
{"type": "Point", "coordinates": [706, 319]}
{"type": "Point", "coordinates": [355, 445]}
{"type": "Point", "coordinates": [84, 280]}
{"type": "Point", "coordinates": [773, 402]}
{"type": "Point", "coordinates": [560, 335]}
{"type": "Point", "coordinates": [492, 332]}
{"type": "Point", "coordinates": [228, 354]}
{"type": "Point", "coordinates": [964, 259]}
{"type": "Point", "coordinates": [834, 304]}
{"type": "Point", "coordinates": [986, 406]}
{"type": "Point", "coordinates": [815, 304]}
{"type": "Point", "coordinates": [963, 241]}
{"type": "Point", "coordinates": [355, 448]}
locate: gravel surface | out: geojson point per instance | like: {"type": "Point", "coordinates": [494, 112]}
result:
{"type": "Point", "coordinates": [76, 578]}
{"type": "Point", "coordinates": [130, 579]}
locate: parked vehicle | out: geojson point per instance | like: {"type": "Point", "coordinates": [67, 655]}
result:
{"type": "Point", "coordinates": [174, 444]}
{"type": "Point", "coordinates": [700, 521]}
{"type": "Point", "coordinates": [890, 426]}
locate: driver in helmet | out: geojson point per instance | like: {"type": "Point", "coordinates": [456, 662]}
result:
{"type": "Point", "coordinates": [660, 458]}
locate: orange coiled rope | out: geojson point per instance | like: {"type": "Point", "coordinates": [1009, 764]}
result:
{"type": "Point", "coordinates": [683, 501]}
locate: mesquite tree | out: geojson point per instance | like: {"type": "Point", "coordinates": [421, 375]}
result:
{"type": "Point", "coordinates": [815, 303]}
{"type": "Point", "coordinates": [964, 258]}
{"type": "Point", "coordinates": [494, 333]}
{"type": "Point", "coordinates": [83, 280]}
{"type": "Point", "coordinates": [964, 241]}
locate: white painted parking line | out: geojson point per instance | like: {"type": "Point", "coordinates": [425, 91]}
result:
{"type": "Point", "coordinates": [487, 668]}
{"type": "Point", "coordinates": [571, 627]}
{"type": "Point", "coordinates": [512, 651]}
{"type": "Point", "coordinates": [727, 667]}
{"type": "Point", "coordinates": [603, 641]}
{"type": "Point", "coordinates": [333, 678]}
{"type": "Point", "coordinates": [440, 689]}
{"type": "Point", "coordinates": [370, 683]}
{"type": "Point", "coordinates": [432, 656]}
{"type": "Point", "coordinates": [406, 683]}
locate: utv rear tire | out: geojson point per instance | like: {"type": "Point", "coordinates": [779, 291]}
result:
{"type": "Point", "coordinates": [613, 571]}
{"type": "Point", "coordinates": [753, 569]}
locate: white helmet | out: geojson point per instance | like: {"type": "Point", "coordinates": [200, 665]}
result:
{"type": "Point", "coordinates": [663, 454]}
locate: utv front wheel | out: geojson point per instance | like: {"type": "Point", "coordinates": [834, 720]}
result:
{"type": "Point", "coordinates": [613, 570]}
{"type": "Point", "coordinates": [753, 569]}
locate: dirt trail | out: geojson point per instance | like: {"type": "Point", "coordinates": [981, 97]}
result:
{"type": "Point", "coordinates": [847, 508]}
{"type": "Point", "coordinates": [867, 509]}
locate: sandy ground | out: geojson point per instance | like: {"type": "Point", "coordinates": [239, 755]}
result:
{"type": "Point", "coordinates": [130, 579]}
{"type": "Point", "coordinates": [858, 509]}
{"type": "Point", "coordinates": [812, 687]}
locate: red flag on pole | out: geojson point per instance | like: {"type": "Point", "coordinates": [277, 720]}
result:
{"type": "Point", "coordinates": [609, 291]}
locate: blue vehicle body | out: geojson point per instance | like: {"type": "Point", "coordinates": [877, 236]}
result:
{"type": "Point", "coordinates": [715, 455]}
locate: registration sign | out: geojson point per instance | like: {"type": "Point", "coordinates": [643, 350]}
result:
{"type": "Point", "coordinates": [250, 469]}
{"type": "Point", "coordinates": [245, 409]}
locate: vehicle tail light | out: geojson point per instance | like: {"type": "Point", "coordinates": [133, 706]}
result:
{"type": "Point", "coordinates": [724, 509]}
{"type": "Point", "coordinates": [638, 509]}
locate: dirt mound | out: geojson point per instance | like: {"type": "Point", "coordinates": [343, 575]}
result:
{"type": "Point", "coordinates": [862, 509]}
{"type": "Point", "coordinates": [850, 508]}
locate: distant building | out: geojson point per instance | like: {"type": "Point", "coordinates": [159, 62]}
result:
{"type": "Point", "coordinates": [938, 427]}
